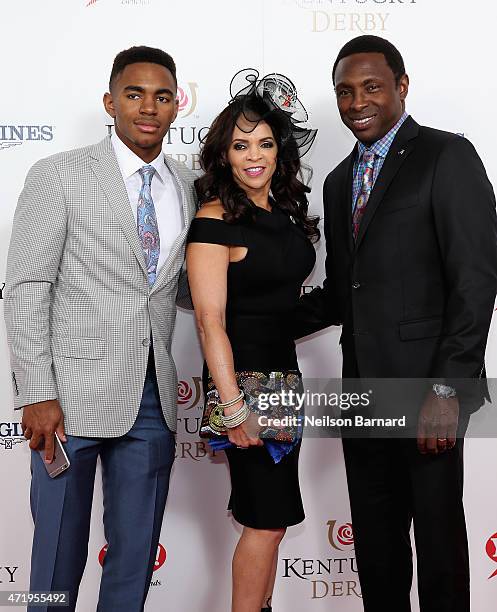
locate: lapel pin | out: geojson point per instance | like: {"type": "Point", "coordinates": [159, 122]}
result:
{"type": "Point", "coordinates": [402, 151]}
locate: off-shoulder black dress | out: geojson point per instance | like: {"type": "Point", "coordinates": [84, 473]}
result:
{"type": "Point", "coordinates": [262, 293]}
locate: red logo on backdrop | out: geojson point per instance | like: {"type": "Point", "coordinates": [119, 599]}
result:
{"type": "Point", "coordinates": [90, 2]}
{"type": "Point", "coordinates": [491, 548]}
{"type": "Point", "coordinates": [183, 99]}
{"type": "Point", "coordinates": [189, 393]}
{"type": "Point", "coordinates": [160, 558]}
{"type": "Point", "coordinates": [185, 392]}
{"type": "Point", "coordinates": [342, 535]}
{"type": "Point", "coordinates": [187, 103]}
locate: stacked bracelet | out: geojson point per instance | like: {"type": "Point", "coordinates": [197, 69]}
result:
{"type": "Point", "coordinates": [237, 418]}
{"type": "Point", "coordinates": [232, 402]}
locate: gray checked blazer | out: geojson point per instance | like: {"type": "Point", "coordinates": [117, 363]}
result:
{"type": "Point", "coordinates": [78, 307]}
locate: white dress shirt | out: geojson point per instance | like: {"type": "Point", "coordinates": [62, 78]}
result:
{"type": "Point", "coordinates": [165, 194]}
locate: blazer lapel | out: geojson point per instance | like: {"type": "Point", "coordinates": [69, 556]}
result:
{"type": "Point", "coordinates": [347, 198]}
{"type": "Point", "coordinates": [398, 153]}
{"type": "Point", "coordinates": [109, 176]}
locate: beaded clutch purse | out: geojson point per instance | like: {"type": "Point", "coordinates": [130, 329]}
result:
{"type": "Point", "coordinates": [267, 395]}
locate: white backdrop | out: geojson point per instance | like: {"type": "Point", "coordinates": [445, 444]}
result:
{"type": "Point", "coordinates": [56, 59]}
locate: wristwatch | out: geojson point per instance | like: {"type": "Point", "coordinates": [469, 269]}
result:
{"type": "Point", "coordinates": [444, 391]}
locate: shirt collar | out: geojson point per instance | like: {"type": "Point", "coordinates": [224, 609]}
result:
{"type": "Point", "coordinates": [129, 162]}
{"type": "Point", "coordinates": [382, 146]}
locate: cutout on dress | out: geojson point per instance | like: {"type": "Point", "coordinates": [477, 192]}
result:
{"type": "Point", "coordinates": [238, 254]}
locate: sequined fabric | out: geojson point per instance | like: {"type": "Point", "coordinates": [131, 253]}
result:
{"type": "Point", "coordinates": [257, 386]}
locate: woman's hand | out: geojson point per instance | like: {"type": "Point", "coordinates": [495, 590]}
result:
{"type": "Point", "coordinates": [246, 434]}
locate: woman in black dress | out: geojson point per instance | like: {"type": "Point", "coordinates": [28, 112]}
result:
{"type": "Point", "coordinates": [250, 249]}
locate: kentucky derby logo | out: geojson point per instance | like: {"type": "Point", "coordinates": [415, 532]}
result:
{"type": "Point", "coordinates": [189, 394]}
{"type": "Point", "coordinates": [10, 435]}
{"type": "Point", "coordinates": [187, 100]}
{"type": "Point", "coordinates": [342, 535]}
{"type": "Point", "coordinates": [491, 549]}
{"type": "Point", "coordinates": [160, 557]}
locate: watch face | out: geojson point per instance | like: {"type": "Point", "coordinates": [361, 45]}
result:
{"type": "Point", "coordinates": [444, 391]}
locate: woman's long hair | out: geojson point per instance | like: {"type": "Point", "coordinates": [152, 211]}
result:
{"type": "Point", "coordinates": [288, 191]}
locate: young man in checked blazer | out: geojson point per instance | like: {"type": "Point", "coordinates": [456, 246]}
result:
{"type": "Point", "coordinates": [94, 263]}
{"type": "Point", "coordinates": [411, 274]}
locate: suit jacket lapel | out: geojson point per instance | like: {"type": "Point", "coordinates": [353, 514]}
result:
{"type": "Point", "coordinates": [107, 171]}
{"type": "Point", "coordinates": [398, 153]}
{"type": "Point", "coordinates": [347, 198]}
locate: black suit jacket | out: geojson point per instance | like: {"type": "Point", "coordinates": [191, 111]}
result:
{"type": "Point", "coordinates": [416, 291]}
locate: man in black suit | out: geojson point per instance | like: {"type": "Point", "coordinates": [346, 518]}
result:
{"type": "Point", "coordinates": [411, 236]}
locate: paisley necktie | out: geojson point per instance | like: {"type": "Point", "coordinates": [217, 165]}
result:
{"type": "Point", "coordinates": [147, 224]}
{"type": "Point", "coordinates": [366, 187]}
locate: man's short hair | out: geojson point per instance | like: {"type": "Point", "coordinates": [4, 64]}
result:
{"type": "Point", "coordinates": [373, 44]}
{"type": "Point", "coordinates": [134, 55]}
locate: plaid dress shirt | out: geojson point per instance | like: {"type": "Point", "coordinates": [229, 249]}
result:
{"type": "Point", "coordinates": [380, 148]}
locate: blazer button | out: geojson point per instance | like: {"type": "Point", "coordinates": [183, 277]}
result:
{"type": "Point", "coordinates": [356, 285]}
{"type": "Point", "coordinates": [146, 341]}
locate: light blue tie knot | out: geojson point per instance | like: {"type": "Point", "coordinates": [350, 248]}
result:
{"type": "Point", "coordinates": [147, 172]}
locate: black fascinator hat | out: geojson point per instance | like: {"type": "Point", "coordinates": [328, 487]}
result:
{"type": "Point", "coordinates": [272, 98]}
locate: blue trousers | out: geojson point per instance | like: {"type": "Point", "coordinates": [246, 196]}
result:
{"type": "Point", "coordinates": [135, 475]}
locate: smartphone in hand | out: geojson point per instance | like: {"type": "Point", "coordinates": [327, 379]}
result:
{"type": "Point", "coordinates": [60, 461]}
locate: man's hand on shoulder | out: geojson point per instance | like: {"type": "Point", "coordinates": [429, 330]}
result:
{"type": "Point", "coordinates": [39, 422]}
{"type": "Point", "coordinates": [437, 424]}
